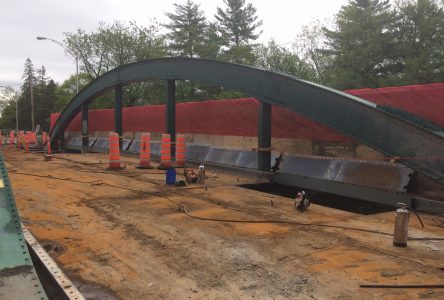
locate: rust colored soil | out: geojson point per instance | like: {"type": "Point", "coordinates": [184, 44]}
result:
{"type": "Point", "coordinates": [125, 236]}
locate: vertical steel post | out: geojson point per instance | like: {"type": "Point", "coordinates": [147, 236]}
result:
{"type": "Point", "coordinates": [118, 95]}
{"type": "Point", "coordinates": [264, 137]}
{"type": "Point", "coordinates": [85, 133]}
{"type": "Point", "coordinates": [170, 109]}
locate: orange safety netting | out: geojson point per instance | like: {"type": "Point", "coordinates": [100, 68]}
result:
{"type": "Point", "coordinates": [239, 117]}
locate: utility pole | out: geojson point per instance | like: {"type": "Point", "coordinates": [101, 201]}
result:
{"type": "Point", "coordinates": [16, 115]}
{"type": "Point", "coordinates": [32, 103]}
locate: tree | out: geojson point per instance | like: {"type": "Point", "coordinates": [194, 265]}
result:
{"type": "Point", "coordinates": [8, 98]}
{"type": "Point", "coordinates": [114, 45]}
{"type": "Point", "coordinates": [187, 29]}
{"type": "Point", "coordinates": [420, 39]}
{"type": "Point", "coordinates": [362, 46]}
{"type": "Point", "coordinates": [279, 59]}
{"type": "Point", "coordinates": [309, 46]}
{"type": "Point", "coordinates": [43, 94]}
{"type": "Point", "coordinates": [24, 100]}
{"type": "Point", "coordinates": [238, 22]}
{"type": "Point", "coordinates": [67, 90]}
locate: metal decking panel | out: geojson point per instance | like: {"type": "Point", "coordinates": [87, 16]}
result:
{"type": "Point", "coordinates": [100, 146]}
{"type": "Point", "coordinates": [381, 175]}
{"type": "Point", "coordinates": [91, 141]}
{"type": "Point", "coordinates": [155, 148]}
{"type": "Point", "coordinates": [343, 189]}
{"type": "Point", "coordinates": [223, 156]}
{"type": "Point", "coordinates": [18, 279]}
{"type": "Point", "coordinates": [75, 143]}
{"type": "Point", "coordinates": [126, 143]}
{"type": "Point", "coordinates": [197, 152]}
{"type": "Point", "coordinates": [135, 146]}
{"type": "Point", "coordinates": [247, 159]}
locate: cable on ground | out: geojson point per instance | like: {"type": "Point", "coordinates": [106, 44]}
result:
{"type": "Point", "coordinates": [183, 208]}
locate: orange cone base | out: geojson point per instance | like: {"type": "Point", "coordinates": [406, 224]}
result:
{"type": "Point", "coordinates": [47, 157]}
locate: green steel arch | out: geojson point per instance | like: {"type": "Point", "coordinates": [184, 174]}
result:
{"type": "Point", "coordinates": [354, 117]}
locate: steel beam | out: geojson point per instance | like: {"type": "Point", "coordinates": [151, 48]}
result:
{"type": "Point", "coordinates": [118, 95]}
{"type": "Point", "coordinates": [343, 189]}
{"type": "Point", "coordinates": [170, 111]}
{"type": "Point", "coordinates": [357, 118]}
{"type": "Point", "coordinates": [264, 137]}
{"type": "Point", "coordinates": [85, 133]}
{"type": "Point", "coordinates": [18, 278]}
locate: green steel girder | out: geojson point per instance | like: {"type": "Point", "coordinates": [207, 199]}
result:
{"type": "Point", "coordinates": [264, 136]}
{"type": "Point", "coordinates": [85, 132]}
{"type": "Point", "coordinates": [354, 117]}
{"type": "Point", "coordinates": [18, 278]}
{"type": "Point", "coordinates": [170, 113]}
{"type": "Point", "coordinates": [118, 119]}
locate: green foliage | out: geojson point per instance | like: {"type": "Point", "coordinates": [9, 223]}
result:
{"type": "Point", "coordinates": [238, 22]}
{"type": "Point", "coordinates": [362, 44]}
{"type": "Point", "coordinates": [44, 95]}
{"type": "Point", "coordinates": [187, 29]}
{"type": "Point", "coordinates": [67, 90]}
{"type": "Point", "coordinates": [279, 59]}
{"type": "Point", "coordinates": [421, 41]}
{"type": "Point", "coordinates": [115, 45]}
{"type": "Point", "coordinates": [8, 98]}
{"type": "Point", "coordinates": [309, 46]}
{"type": "Point", "coordinates": [7, 119]}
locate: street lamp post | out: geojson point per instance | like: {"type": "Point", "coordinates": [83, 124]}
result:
{"type": "Point", "coordinates": [74, 54]}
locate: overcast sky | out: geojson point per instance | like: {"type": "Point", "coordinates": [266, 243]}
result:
{"type": "Point", "coordinates": [21, 21]}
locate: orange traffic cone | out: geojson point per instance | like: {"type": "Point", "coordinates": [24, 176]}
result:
{"type": "Point", "coordinates": [165, 152]}
{"type": "Point", "coordinates": [114, 152]}
{"type": "Point", "coordinates": [180, 150]}
{"type": "Point", "coordinates": [145, 151]}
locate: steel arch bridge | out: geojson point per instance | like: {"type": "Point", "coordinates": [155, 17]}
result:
{"type": "Point", "coordinates": [417, 147]}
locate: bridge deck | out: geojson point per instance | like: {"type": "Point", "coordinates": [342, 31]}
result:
{"type": "Point", "coordinates": [116, 240]}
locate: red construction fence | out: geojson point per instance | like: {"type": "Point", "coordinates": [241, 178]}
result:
{"type": "Point", "coordinates": [239, 117]}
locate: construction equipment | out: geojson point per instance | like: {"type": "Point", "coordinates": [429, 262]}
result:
{"type": "Point", "coordinates": [301, 202]}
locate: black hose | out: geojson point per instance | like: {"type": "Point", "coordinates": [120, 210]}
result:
{"type": "Point", "coordinates": [403, 286]}
{"type": "Point", "coordinates": [186, 212]}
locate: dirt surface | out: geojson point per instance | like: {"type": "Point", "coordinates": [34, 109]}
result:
{"type": "Point", "coordinates": [124, 235]}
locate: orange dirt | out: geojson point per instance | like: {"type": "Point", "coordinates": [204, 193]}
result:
{"type": "Point", "coordinates": [123, 242]}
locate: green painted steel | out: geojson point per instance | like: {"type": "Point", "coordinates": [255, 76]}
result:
{"type": "Point", "coordinates": [170, 113]}
{"type": "Point", "coordinates": [118, 126]}
{"type": "Point", "coordinates": [85, 131]}
{"type": "Point", "coordinates": [354, 117]}
{"type": "Point", "coordinates": [18, 278]}
{"type": "Point", "coordinates": [264, 137]}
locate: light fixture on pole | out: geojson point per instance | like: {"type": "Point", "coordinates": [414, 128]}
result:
{"type": "Point", "coordinates": [74, 54]}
